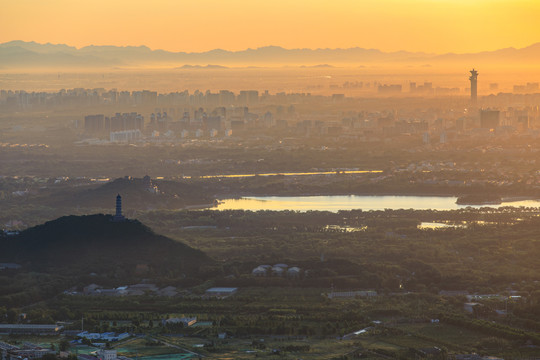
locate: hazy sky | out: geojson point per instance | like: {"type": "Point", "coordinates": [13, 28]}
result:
{"type": "Point", "coordinates": [198, 25]}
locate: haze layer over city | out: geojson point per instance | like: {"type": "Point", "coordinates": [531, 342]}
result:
{"type": "Point", "coordinates": [238, 179]}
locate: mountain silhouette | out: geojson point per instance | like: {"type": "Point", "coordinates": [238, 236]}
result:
{"type": "Point", "coordinates": [20, 54]}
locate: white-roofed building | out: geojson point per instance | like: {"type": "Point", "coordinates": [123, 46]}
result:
{"type": "Point", "coordinates": [293, 272]}
{"type": "Point", "coordinates": [278, 271]}
{"type": "Point", "coordinates": [259, 271]}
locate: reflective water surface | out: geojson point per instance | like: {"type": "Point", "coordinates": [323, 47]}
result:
{"type": "Point", "coordinates": [335, 203]}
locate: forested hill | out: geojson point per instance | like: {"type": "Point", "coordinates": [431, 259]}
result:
{"type": "Point", "coordinates": [173, 195]}
{"type": "Point", "coordinates": [94, 243]}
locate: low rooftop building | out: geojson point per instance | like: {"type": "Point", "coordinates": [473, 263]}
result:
{"type": "Point", "coordinates": [106, 354]}
{"type": "Point", "coordinates": [30, 329]}
{"type": "Point", "coordinates": [221, 292]}
{"type": "Point", "coordinates": [27, 351]}
{"type": "Point", "coordinates": [186, 321]}
{"type": "Point", "coordinates": [259, 271]}
{"type": "Point", "coordinates": [351, 294]}
{"type": "Point", "coordinates": [293, 272]}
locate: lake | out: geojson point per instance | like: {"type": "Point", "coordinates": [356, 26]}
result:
{"type": "Point", "coordinates": [311, 173]}
{"type": "Point", "coordinates": [334, 203]}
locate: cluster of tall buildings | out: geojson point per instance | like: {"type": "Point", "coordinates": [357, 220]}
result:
{"type": "Point", "coordinates": [119, 122]}
{"type": "Point", "coordinates": [527, 88]}
{"type": "Point", "coordinates": [213, 114]}
{"type": "Point", "coordinates": [223, 122]}
{"type": "Point", "coordinates": [173, 122]}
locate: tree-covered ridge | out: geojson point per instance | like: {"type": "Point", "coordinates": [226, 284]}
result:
{"type": "Point", "coordinates": [95, 243]}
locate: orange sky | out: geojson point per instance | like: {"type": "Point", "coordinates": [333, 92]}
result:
{"type": "Point", "coordinates": [197, 25]}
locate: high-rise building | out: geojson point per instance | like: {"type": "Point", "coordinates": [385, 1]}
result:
{"type": "Point", "coordinates": [99, 124]}
{"type": "Point", "coordinates": [489, 119]}
{"type": "Point", "coordinates": [212, 122]}
{"type": "Point", "coordinates": [125, 121]}
{"type": "Point", "coordinates": [248, 97]}
{"type": "Point", "coordinates": [474, 87]}
{"type": "Point", "coordinates": [94, 123]}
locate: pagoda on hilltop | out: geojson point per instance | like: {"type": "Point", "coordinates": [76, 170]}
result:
{"type": "Point", "coordinates": [118, 217]}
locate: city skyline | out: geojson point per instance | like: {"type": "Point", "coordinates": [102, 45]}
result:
{"type": "Point", "coordinates": [454, 26]}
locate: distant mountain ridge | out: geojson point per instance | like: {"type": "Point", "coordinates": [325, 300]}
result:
{"type": "Point", "coordinates": [21, 54]}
